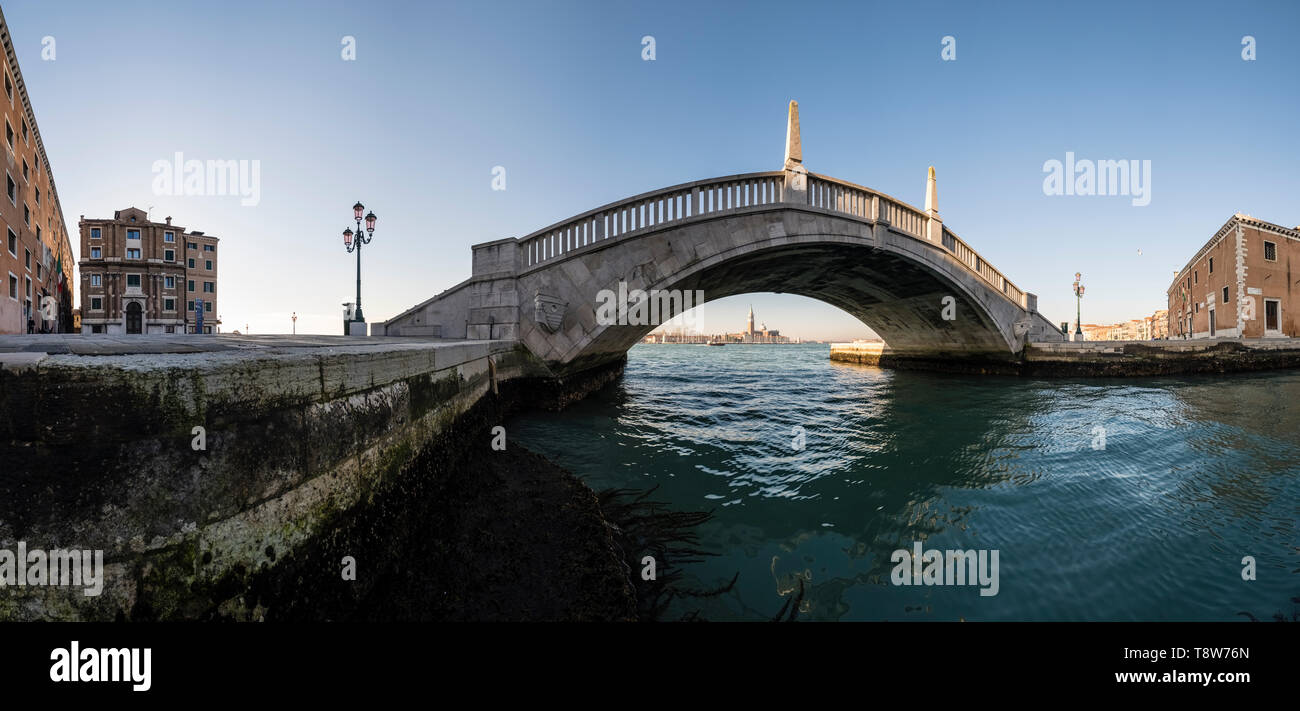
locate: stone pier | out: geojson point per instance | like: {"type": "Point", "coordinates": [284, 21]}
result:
{"type": "Point", "coordinates": [193, 462]}
{"type": "Point", "coordinates": [1110, 358]}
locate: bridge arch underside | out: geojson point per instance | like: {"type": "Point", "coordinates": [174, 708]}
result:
{"type": "Point", "coordinates": [894, 284]}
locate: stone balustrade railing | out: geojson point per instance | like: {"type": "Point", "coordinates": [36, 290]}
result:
{"type": "Point", "coordinates": [652, 210]}
{"type": "Point", "coordinates": [841, 196]}
{"type": "Point", "coordinates": [658, 208]}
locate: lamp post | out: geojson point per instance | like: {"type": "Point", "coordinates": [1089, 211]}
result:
{"type": "Point", "coordinates": [1078, 297]}
{"type": "Point", "coordinates": [353, 241]}
{"type": "Point", "coordinates": [294, 318]}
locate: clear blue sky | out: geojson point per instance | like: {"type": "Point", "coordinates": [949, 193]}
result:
{"type": "Point", "coordinates": [558, 94]}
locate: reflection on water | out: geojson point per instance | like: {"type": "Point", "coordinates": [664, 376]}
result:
{"type": "Point", "coordinates": [1108, 499]}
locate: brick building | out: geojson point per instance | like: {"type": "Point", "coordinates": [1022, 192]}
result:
{"type": "Point", "coordinates": [36, 254]}
{"type": "Point", "coordinates": [1239, 284]}
{"type": "Point", "coordinates": [201, 281]}
{"type": "Point", "coordinates": [139, 276]}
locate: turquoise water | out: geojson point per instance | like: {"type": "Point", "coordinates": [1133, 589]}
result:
{"type": "Point", "coordinates": [1131, 499]}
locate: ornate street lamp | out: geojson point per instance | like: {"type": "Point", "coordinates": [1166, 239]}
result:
{"type": "Point", "coordinates": [1078, 296]}
{"type": "Point", "coordinates": [353, 241]}
{"type": "Point", "coordinates": [294, 318]}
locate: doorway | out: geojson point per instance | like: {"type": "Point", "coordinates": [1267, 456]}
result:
{"type": "Point", "coordinates": [134, 317]}
{"type": "Point", "coordinates": [1272, 317]}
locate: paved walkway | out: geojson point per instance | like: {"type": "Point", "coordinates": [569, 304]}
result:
{"type": "Point", "coordinates": [102, 344]}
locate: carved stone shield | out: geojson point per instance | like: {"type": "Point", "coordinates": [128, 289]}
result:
{"type": "Point", "coordinates": [548, 311]}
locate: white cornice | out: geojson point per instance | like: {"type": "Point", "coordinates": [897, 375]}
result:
{"type": "Point", "coordinates": [1243, 220]}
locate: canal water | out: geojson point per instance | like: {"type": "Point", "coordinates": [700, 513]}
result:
{"type": "Point", "coordinates": [1105, 499]}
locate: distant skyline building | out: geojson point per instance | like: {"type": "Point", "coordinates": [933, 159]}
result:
{"type": "Point", "coordinates": [755, 335]}
{"type": "Point", "coordinates": [751, 334]}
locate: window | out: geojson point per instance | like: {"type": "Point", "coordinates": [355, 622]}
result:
{"type": "Point", "coordinates": [169, 282]}
{"type": "Point", "coordinates": [1211, 265]}
{"type": "Point", "coordinates": [38, 196]}
{"type": "Point", "coordinates": [96, 279]}
{"type": "Point", "coordinates": [27, 215]}
{"type": "Point", "coordinates": [207, 305]}
{"type": "Point", "coordinates": [133, 234]}
{"type": "Point", "coordinates": [191, 263]}
{"type": "Point", "coordinates": [27, 174]}
{"type": "Point", "coordinates": [9, 88]}
{"type": "Point", "coordinates": [1225, 294]}
{"type": "Point", "coordinates": [190, 307]}
{"type": "Point", "coordinates": [26, 137]}
{"type": "Point", "coordinates": [29, 289]}
{"type": "Point", "coordinates": [1270, 251]}
{"type": "Point", "coordinates": [9, 133]}
{"type": "Point", "coordinates": [12, 189]}
{"type": "Point", "coordinates": [94, 233]}
{"type": "Point", "coordinates": [209, 248]}
{"type": "Point", "coordinates": [133, 253]}
{"type": "Point", "coordinates": [27, 259]}
{"type": "Point", "coordinates": [97, 328]}
{"type": "Point", "coordinates": [1196, 277]}
{"type": "Point", "coordinates": [39, 272]}
{"type": "Point", "coordinates": [13, 243]}
{"type": "Point", "coordinates": [169, 255]}
{"type": "Point", "coordinates": [190, 285]}
{"type": "Point", "coordinates": [169, 304]}
{"type": "Point", "coordinates": [169, 236]}
{"type": "Point", "coordinates": [13, 286]}
{"type": "Point", "coordinates": [96, 303]}
{"type": "Point", "coordinates": [207, 264]}
{"type": "Point", "coordinates": [209, 287]}
{"type": "Point", "coordinates": [95, 253]}
{"type": "Point", "coordinates": [191, 245]}
{"type": "Point", "coordinates": [169, 329]}
{"type": "Point", "coordinates": [133, 280]}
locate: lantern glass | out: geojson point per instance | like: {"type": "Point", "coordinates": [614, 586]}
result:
{"type": "Point", "coordinates": [370, 221]}
{"type": "Point", "coordinates": [357, 209]}
{"type": "Point", "coordinates": [347, 238]}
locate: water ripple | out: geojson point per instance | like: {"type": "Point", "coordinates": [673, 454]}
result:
{"type": "Point", "coordinates": [1106, 499]}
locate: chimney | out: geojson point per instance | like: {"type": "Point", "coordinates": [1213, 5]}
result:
{"type": "Point", "coordinates": [169, 219]}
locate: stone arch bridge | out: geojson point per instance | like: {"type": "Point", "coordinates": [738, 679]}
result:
{"type": "Point", "coordinates": [791, 231]}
